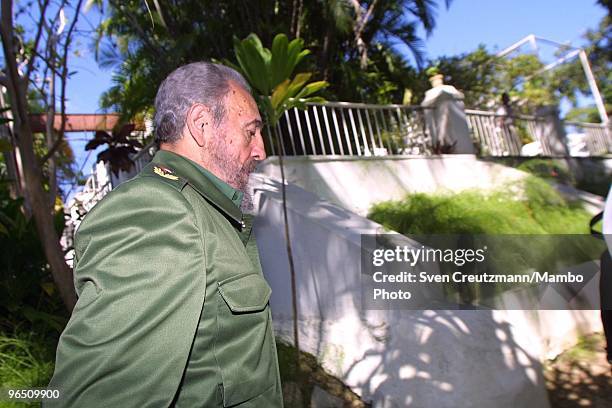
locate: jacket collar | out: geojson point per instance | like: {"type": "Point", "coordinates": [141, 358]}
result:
{"type": "Point", "coordinates": [197, 177]}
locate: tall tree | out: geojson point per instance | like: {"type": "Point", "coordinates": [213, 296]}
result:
{"type": "Point", "coordinates": [570, 80]}
{"type": "Point", "coordinates": [144, 42]}
{"type": "Point", "coordinates": [30, 57]}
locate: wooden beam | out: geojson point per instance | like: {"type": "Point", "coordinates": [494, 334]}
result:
{"type": "Point", "coordinates": [79, 122]}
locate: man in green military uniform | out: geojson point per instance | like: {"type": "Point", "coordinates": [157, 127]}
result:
{"type": "Point", "coordinates": [173, 307]}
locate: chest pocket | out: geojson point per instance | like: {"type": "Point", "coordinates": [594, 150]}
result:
{"type": "Point", "coordinates": [244, 347]}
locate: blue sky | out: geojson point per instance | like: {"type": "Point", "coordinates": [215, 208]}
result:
{"type": "Point", "coordinates": [461, 28]}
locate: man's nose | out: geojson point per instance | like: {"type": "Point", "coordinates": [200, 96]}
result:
{"type": "Point", "coordinates": [259, 150]}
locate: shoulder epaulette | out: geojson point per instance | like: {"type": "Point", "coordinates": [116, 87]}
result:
{"type": "Point", "coordinates": [164, 174]}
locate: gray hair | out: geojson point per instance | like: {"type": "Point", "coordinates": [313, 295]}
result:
{"type": "Point", "coordinates": [198, 82]}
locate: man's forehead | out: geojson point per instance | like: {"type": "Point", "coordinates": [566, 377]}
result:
{"type": "Point", "coordinates": [242, 104]}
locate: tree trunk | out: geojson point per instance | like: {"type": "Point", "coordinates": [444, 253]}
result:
{"type": "Point", "coordinates": [51, 169]}
{"type": "Point", "coordinates": [32, 174]}
{"type": "Point", "coordinates": [43, 217]}
{"type": "Point", "coordinates": [360, 23]}
{"type": "Point", "coordinates": [325, 52]}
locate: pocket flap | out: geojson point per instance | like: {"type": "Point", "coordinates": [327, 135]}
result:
{"type": "Point", "coordinates": [245, 293]}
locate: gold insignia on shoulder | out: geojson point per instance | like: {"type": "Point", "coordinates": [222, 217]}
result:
{"type": "Point", "coordinates": [164, 172]}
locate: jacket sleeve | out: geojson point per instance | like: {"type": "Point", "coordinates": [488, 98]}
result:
{"type": "Point", "coordinates": [141, 281]}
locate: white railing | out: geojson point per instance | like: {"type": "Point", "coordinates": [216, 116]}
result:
{"type": "Point", "coordinates": [503, 135]}
{"type": "Point", "coordinates": [597, 137]}
{"type": "Point", "coordinates": [353, 129]}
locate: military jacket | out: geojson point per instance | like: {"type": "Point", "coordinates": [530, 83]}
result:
{"type": "Point", "coordinates": [173, 306]}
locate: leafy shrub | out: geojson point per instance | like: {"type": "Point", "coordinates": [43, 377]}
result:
{"type": "Point", "coordinates": [531, 207]}
{"type": "Point", "coordinates": [27, 292]}
{"type": "Point", "coordinates": [547, 169]}
{"type": "Point", "coordinates": [540, 210]}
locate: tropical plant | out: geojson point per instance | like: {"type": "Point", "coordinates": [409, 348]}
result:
{"type": "Point", "coordinates": [270, 74]}
{"type": "Point", "coordinates": [144, 44]}
{"type": "Point", "coordinates": [120, 147]}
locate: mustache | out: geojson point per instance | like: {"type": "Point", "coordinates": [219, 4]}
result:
{"type": "Point", "coordinates": [250, 166]}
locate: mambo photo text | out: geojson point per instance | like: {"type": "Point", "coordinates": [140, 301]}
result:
{"type": "Point", "coordinates": [458, 257]}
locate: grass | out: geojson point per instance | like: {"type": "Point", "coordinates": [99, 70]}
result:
{"type": "Point", "coordinates": [26, 361]}
{"type": "Point", "coordinates": [531, 208]}
{"type": "Point", "coordinates": [298, 384]}
{"type": "Point", "coordinates": [585, 349]}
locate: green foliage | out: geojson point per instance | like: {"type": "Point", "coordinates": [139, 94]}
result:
{"type": "Point", "coordinates": [548, 169]}
{"type": "Point", "coordinates": [31, 313]}
{"type": "Point", "coordinates": [569, 78]}
{"type": "Point", "coordinates": [483, 78]}
{"type": "Point", "coordinates": [270, 73]}
{"type": "Point", "coordinates": [26, 361]}
{"type": "Point", "coordinates": [143, 47]}
{"type": "Point", "coordinates": [541, 211]}
{"type": "Point", "coordinates": [120, 147]}
{"type": "Point", "coordinates": [588, 114]}
{"type": "Point", "coordinates": [27, 292]}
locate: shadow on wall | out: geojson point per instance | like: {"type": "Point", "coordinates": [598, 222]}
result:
{"type": "Point", "coordinates": [396, 358]}
{"type": "Point", "coordinates": [355, 183]}
{"type": "Point", "coordinates": [449, 359]}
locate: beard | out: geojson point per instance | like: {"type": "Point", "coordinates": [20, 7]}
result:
{"type": "Point", "coordinates": [229, 169]}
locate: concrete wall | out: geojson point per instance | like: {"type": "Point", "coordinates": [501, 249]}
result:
{"type": "Point", "coordinates": [396, 358]}
{"type": "Point", "coordinates": [355, 183]}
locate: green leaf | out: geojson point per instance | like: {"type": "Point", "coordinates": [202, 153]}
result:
{"type": "Point", "coordinates": [294, 50]}
{"type": "Point", "coordinates": [3, 230]}
{"type": "Point", "coordinates": [280, 94]}
{"type": "Point", "coordinates": [256, 42]}
{"type": "Point", "coordinates": [315, 99]}
{"type": "Point", "coordinates": [279, 59]}
{"type": "Point", "coordinates": [55, 321]}
{"type": "Point", "coordinates": [311, 88]}
{"type": "Point", "coordinates": [301, 56]}
{"type": "Point", "coordinates": [252, 61]}
{"type": "Point", "coordinates": [297, 83]}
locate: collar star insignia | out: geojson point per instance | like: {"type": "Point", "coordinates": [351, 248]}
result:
{"type": "Point", "coordinates": [164, 172]}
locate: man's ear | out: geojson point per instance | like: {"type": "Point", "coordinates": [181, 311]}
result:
{"type": "Point", "coordinates": [199, 123]}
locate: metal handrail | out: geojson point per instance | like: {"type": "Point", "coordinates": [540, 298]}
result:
{"type": "Point", "coordinates": [586, 124]}
{"type": "Point", "coordinates": [353, 129]}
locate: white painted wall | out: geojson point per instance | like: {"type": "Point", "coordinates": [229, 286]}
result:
{"type": "Point", "coordinates": [398, 357]}
{"type": "Point", "coordinates": [355, 183]}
